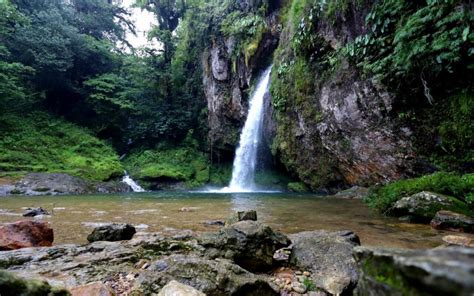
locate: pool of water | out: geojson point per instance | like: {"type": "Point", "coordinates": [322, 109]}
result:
{"type": "Point", "coordinates": [73, 217]}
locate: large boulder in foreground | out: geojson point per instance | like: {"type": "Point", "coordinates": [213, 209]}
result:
{"type": "Point", "coordinates": [250, 244]}
{"type": "Point", "coordinates": [25, 234]}
{"type": "Point", "coordinates": [175, 288]}
{"type": "Point", "coordinates": [217, 277]}
{"type": "Point", "coordinates": [447, 220]}
{"type": "Point", "coordinates": [423, 206]}
{"type": "Point", "coordinates": [12, 285]}
{"type": "Point", "coordinates": [328, 255]}
{"type": "Point", "coordinates": [440, 271]}
{"type": "Point", "coordinates": [112, 232]}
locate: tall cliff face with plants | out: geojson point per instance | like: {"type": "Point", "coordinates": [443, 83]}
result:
{"type": "Point", "coordinates": [362, 92]}
{"type": "Point", "coordinates": [354, 80]}
{"type": "Point", "coordinates": [245, 38]}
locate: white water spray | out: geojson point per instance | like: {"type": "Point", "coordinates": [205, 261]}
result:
{"type": "Point", "coordinates": [245, 162]}
{"type": "Point", "coordinates": [130, 182]}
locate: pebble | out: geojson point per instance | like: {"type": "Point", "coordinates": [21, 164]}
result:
{"type": "Point", "coordinates": [288, 281]}
{"type": "Point", "coordinates": [298, 272]}
{"type": "Point", "coordinates": [301, 278]}
{"type": "Point", "coordinates": [298, 287]}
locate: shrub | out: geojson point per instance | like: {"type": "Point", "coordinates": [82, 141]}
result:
{"type": "Point", "coordinates": [461, 187]}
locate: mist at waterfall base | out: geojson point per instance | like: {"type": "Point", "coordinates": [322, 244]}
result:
{"type": "Point", "coordinates": [246, 155]}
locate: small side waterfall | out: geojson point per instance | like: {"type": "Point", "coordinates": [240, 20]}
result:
{"type": "Point", "coordinates": [245, 161]}
{"type": "Point", "coordinates": [130, 182]}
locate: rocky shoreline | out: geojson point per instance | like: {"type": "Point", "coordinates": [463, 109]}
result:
{"type": "Point", "coordinates": [242, 258]}
{"type": "Point", "coordinates": [34, 184]}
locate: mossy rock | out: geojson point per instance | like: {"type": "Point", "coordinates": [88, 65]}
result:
{"type": "Point", "coordinates": [298, 187]}
{"type": "Point", "coordinates": [11, 285]}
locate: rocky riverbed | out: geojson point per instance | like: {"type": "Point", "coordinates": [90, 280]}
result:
{"type": "Point", "coordinates": [242, 258]}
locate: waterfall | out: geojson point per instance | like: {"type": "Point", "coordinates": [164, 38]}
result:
{"type": "Point", "coordinates": [245, 161]}
{"type": "Point", "coordinates": [130, 182]}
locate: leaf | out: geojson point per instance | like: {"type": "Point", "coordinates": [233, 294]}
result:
{"type": "Point", "coordinates": [465, 33]}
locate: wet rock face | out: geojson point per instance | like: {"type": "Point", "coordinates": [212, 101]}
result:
{"type": "Point", "coordinates": [249, 243]}
{"type": "Point", "coordinates": [25, 234]}
{"type": "Point", "coordinates": [112, 233]}
{"type": "Point", "coordinates": [96, 288]}
{"type": "Point", "coordinates": [328, 256]}
{"type": "Point", "coordinates": [226, 80]}
{"type": "Point", "coordinates": [423, 206]}
{"type": "Point", "coordinates": [441, 271]}
{"type": "Point", "coordinates": [447, 220]}
{"type": "Point", "coordinates": [241, 216]}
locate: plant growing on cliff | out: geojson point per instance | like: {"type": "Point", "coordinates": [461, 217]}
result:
{"type": "Point", "coordinates": [414, 44]}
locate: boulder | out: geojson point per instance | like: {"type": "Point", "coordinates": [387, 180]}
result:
{"type": "Point", "coordinates": [447, 220]}
{"type": "Point", "coordinates": [112, 232]}
{"type": "Point", "coordinates": [328, 255]}
{"type": "Point", "coordinates": [25, 234]}
{"type": "Point", "coordinates": [250, 244]}
{"type": "Point", "coordinates": [33, 212]}
{"type": "Point", "coordinates": [216, 277]}
{"type": "Point", "coordinates": [440, 271]}
{"type": "Point", "coordinates": [242, 216]}
{"type": "Point", "coordinates": [175, 288]}
{"type": "Point", "coordinates": [12, 285]}
{"type": "Point", "coordinates": [423, 206]}
{"type": "Point", "coordinates": [95, 288]}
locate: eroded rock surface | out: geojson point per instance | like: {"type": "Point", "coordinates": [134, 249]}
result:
{"type": "Point", "coordinates": [328, 256]}
{"type": "Point", "coordinates": [175, 288]}
{"type": "Point", "coordinates": [25, 234]}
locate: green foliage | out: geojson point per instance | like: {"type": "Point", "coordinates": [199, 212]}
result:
{"type": "Point", "coordinates": [170, 163]}
{"type": "Point", "coordinates": [310, 285]}
{"type": "Point", "coordinates": [220, 174]}
{"type": "Point", "coordinates": [39, 142]}
{"type": "Point", "coordinates": [383, 197]}
{"type": "Point", "coordinates": [412, 42]}
{"type": "Point", "coordinates": [248, 29]}
{"type": "Point", "coordinates": [297, 187]}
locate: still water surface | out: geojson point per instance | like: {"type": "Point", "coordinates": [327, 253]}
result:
{"type": "Point", "coordinates": [75, 216]}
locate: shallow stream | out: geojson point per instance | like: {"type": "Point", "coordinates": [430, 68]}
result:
{"type": "Point", "coordinates": [73, 217]}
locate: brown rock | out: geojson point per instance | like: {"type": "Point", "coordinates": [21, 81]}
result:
{"type": "Point", "coordinates": [25, 234]}
{"type": "Point", "coordinates": [95, 288]}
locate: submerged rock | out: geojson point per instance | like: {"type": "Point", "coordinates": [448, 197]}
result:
{"type": "Point", "coordinates": [423, 206]}
{"type": "Point", "coordinates": [447, 220]}
{"type": "Point", "coordinates": [175, 288]}
{"type": "Point", "coordinates": [355, 192]}
{"type": "Point", "coordinates": [32, 212]}
{"type": "Point", "coordinates": [112, 232]}
{"type": "Point", "coordinates": [25, 234]}
{"type": "Point", "coordinates": [250, 244]}
{"type": "Point", "coordinates": [328, 255]}
{"type": "Point", "coordinates": [441, 271]}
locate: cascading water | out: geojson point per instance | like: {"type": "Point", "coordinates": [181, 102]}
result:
{"type": "Point", "coordinates": [130, 182]}
{"type": "Point", "coordinates": [245, 161]}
